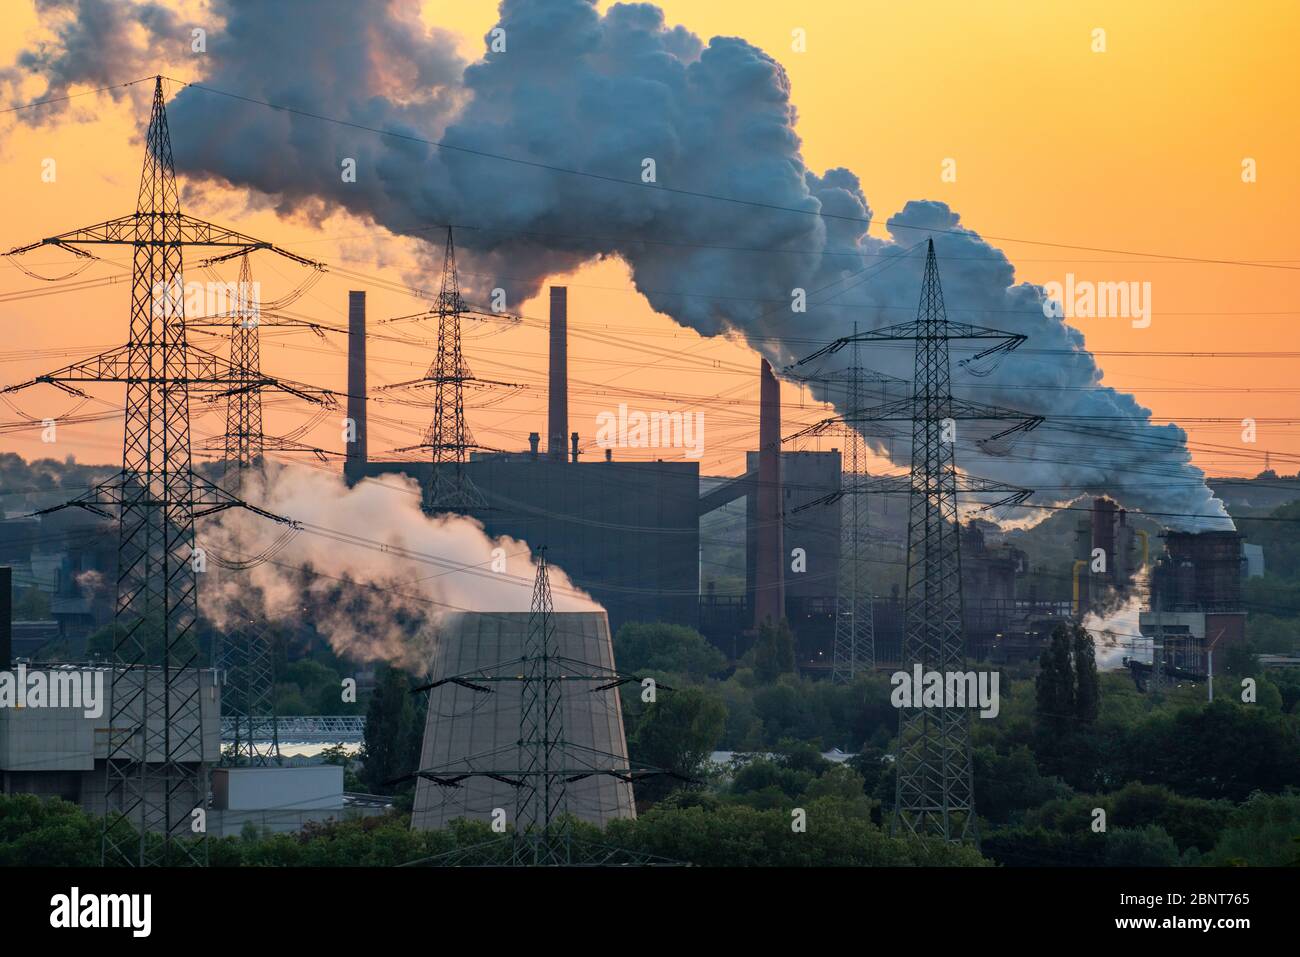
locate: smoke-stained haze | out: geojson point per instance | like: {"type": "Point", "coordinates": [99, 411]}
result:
{"type": "Point", "coordinates": [601, 93]}
{"type": "Point", "coordinates": [383, 602]}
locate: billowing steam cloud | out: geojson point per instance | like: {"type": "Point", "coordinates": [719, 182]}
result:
{"type": "Point", "coordinates": [603, 94]}
{"type": "Point", "coordinates": [369, 569]}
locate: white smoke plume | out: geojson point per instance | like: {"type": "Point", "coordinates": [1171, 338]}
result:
{"type": "Point", "coordinates": [1117, 635]}
{"type": "Point", "coordinates": [369, 569]}
{"type": "Point", "coordinates": [575, 89]}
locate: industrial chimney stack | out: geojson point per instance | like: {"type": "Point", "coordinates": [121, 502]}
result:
{"type": "Point", "coordinates": [557, 426]}
{"type": "Point", "coordinates": [356, 451]}
{"type": "Point", "coordinates": [769, 591]}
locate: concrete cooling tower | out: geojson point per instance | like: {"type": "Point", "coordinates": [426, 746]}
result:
{"type": "Point", "coordinates": [469, 730]}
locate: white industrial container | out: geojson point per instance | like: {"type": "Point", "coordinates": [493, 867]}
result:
{"type": "Point", "coordinates": [318, 787]}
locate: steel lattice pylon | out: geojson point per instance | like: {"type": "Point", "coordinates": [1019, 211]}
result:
{"type": "Point", "coordinates": [543, 836]}
{"type": "Point", "coordinates": [156, 540]}
{"type": "Point", "coordinates": [854, 649]}
{"type": "Point", "coordinates": [450, 488]}
{"type": "Point", "coordinates": [935, 784]}
{"type": "Point", "coordinates": [934, 794]}
{"type": "Point", "coordinates": [244, 653]}
{"type": "Point", "coordinates": [156, 773]}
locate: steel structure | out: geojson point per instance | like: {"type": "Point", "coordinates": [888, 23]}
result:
{"type": "Point", "coordinates": [853, 649]}
{"type": "Point", "coordinates": [156, 774]}
{"type": "Point", "coordinates": [934, 795]}
{"type": "Point", "coordinates": [244, 652]}
{"type": "Point", "coordinates": [448, 438]}
{"type": "Point", "coordinates": [307, 729]}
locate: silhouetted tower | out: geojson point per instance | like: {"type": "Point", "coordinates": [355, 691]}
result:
{"type": "Point", "coordinates": [543, 834]}
{"type": "Point", "coordinates": [244, 406]}
{"type": "Point", "coordinates": [244, 652]}
{"type": "Point", "coordinates": [450, 488]}
{"type": "Point", "coordinates": [156, 773]}
{"type": "Point", "coordinates": [854, 649]}
{"type": "Point", "coordinates": [934, 790]}
{"type": "Point", "coordinates": [935, 786]}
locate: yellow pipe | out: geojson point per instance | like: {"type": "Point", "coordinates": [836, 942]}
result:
{"type": "Point", "coordinates": [1079, 564]}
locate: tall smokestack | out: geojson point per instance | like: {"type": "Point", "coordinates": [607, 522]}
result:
{"type": "Point", "coordinates": [769, 572]}
{"type": "Point", "coordinates": [557, 425]}
{"type": "Point", "coordinates": [357, 375]}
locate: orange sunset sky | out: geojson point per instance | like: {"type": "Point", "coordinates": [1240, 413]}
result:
{"type": "Point", "coordinates": [1139, 148]}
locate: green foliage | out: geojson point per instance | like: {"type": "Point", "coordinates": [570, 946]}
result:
{"type": "Point", "coordinates": [1009, 783]}
{"type": "Point", "coordinates": [31, 604]}
{"type": "Point", "coordinates": [386, 753]}
{"type": "Point", "coordinates": [658, 646]}
{"type": "Point", "coordinates": [1087, 686]}
{"type": "Point", "coordinates": [1220, 750]}
{"type": "Point", "coordinates": [1190, 822]}
{"type": "Point", "coordinates": [1280, 544]}
{"type": "Point", "coordinates": [1146, 846]}
{"type": "Point", "coordinates": [37, 832]}
{"type": "Point", "coordinates": [1263, 832]}
{"type": "Point", "coordinates": [340, 755]}
{"type": "Point", "coordinates": [737, 835]}
{"type": "Point", "coordinates": [1036, 846]}
{"type": "Point", "coordinates": [773, 652]}
{"type": "Point", "coordinates": [676, 733]}
{"type": "Point", "coordinates": [1055, 683]}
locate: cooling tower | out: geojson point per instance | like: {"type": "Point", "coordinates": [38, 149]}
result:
{"type": "Point", "coordinates": [469, 730]}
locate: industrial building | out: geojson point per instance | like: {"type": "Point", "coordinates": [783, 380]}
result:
{"type": "Point", "coordinates": [61, 751]}
{"type": "Point", "coordinates": [626, 531]}
{"type": "Point", "coordinates": [1196, 607]}
{"type": "Point", "coordinates": [472, 734]}
{"type": "Point", "coordinates": [1109, 555]}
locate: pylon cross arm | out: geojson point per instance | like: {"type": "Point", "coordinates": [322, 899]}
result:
{"type": "Point", "coordinates": [141, 228]}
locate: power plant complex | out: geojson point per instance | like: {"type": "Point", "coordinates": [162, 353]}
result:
{"type": "Point", "coordinates": [524, 719]}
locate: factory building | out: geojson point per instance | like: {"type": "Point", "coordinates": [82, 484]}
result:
{"type": "Point", "coordinates": [1001, 624]}
{"type": "Point", "coordinates": [625, 531]}
{"type": "Point", "coordinates": [62, 751]}
{"type": "Point", "coordinates": [1196, 599]}
{"type": "Point", "coordinates": [471, 737]}
{"type": "Point", "coordinates": [1108, 554]}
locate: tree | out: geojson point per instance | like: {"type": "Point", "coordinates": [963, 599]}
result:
{"type": "Point", "coordinates": [1087, 686]}
{"type": "Point", "coordinates": [1055, 683]}
{"type": "Point", "coordinates": [1146, 846]}
{"type": "Point", "coordinates": [659, 646]}
{"type": "Point", "coordinates": [774, 650]}
{"type": "Point", "coordinates": [386, 752]}
{"type": "Point", "coordinates": [677, 733]}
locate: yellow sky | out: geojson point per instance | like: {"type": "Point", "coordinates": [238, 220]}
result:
{"type": "Point", "coordinates": [1136, 148]}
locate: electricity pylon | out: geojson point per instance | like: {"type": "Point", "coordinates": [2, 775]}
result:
{"type": "Point", "coordinates": [448, 438]}
{"type": "Point", "coordinates": [156, 770]}
{"type": "Point", "coordinates": [543, 760]}
{"type": "Point", "coordinates": [245, 653]}
{"type": "Point", "coordinates": [854, 649]}
{"type": "Point", "coordinates": [855, 635]}
{"type": "Point", "coordinates": [934, 795]}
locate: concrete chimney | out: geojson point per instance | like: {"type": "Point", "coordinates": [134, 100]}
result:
{"type": "Point", "coordinates": [557, 425]}
{"type": "Point", "coordinates": [769, 573]}
{"type": "Point", "coordinates": [574, 439]}
{"type": "Point", "coordinates": [356, 452]}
